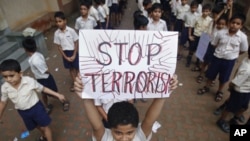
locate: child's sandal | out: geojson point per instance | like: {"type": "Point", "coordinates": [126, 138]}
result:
{"type": "Point", "coordinates": [199, 79]}
{"type": "Point", "coordinates": [42, 138]}
{"type": "Point", "coordinates": [218, 96]}
{"type": "Point", "coordinates": [203, 90]}
{"type": "Point", "coordinates": [66, 106]}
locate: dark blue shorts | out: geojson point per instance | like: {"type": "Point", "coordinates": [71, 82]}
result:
{"type": "Point", "coordinates": [114, 8]}
{"type": "Point", "coordinates": [237, 101]}
{"type": "Point", "coordinates": [69, 65]}
{"type": "Point", "coordinates": [194, 44]}
{"type": "Point", "coordinates": [172, 18]}
{"type": "Point", "coordinates": [178, 25]}
{"type": "Point", "coordinates": [49, 83]}
{"type": "Point", "coordinates": [209, 54]}
{"type": "Point", "coordinates": [35, 116]}
{"type": "Point", "coordinates": [184, 36]}
{"type": "Point", "coordinates": [222, 67]}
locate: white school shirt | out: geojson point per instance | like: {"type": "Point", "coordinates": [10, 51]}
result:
{"type": "Point", "coordinates": [115, 1]}
{"type": "Point", "coordinates": [159, 26]}
{"type": "Point", "coordinates": [66, 38]}
{"type": "Point", "coordinates": [25, 96]}
{"type": "Point", "coordinates": [38, 66]}
{"type": "Point", "coordinates": [242, 77]}
{"type": "Point", "coordinates": [190, 19]}
{"type": "Point", "coordinates": [174, 4]}
{"type": "Point", "coordinates": [199, 10]}
{"type": "Point", "coordinates": [108, 3]}
{"type": "Point", "coordinates": [140, 5]}
{"type": "Point", "coordinates": [139, 135]}
{"type": "Point", "coordinates": [228, 47]}
{"type": "Point", "coordinates": [106, 9]}
{"type": "Point", "coordinates": [156, 1]}
{"type": "Point", "coordinates": [203, 25]}
{"type": "Point", "coordinates": [94, 13]}
{"type": "Point", "coordinates": [101, 13]}
{"type": "Point", "coordinates": [181, 10]}
{"type": "Point", "coordinates": [88, 23]}
{"type": "Point", "coordinates": [144, 12]}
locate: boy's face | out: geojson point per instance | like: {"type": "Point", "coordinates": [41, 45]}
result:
{"type": "Point", "coordinates": [235, 25]}
{"type": "Point", "coordinates": [183, 2]}
{"type": "Point", "coordinates": [84, 10]}
{"type": "Point", "coordinates": [60, 23]}
{"type": "Point", "coordinates": [193, 9]}
{"type": "Point", "coordinates": [221, 24]}
{"type": "Point", "coordinates": [123, 132]}
{"type": "Point", "coordinates": [206, 12]}
{"type": "Point", "coordinates": [156, 14]}
{"type": "Point", "coordinates": [12, 77]}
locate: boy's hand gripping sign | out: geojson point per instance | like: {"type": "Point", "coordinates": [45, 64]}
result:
{"type": "Point", "coordinates": [126, 63]}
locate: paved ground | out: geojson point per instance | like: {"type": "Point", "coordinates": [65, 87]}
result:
{"type": "Point", "coordinates": [185, 117]}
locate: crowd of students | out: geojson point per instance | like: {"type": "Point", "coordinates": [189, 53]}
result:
{"type": "Point", "coordinates": [226, 43]}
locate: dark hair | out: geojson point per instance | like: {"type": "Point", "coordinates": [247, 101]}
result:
{"type": "Point", "coordinates": [98, 2]}
{"type": "Point", "coordinates": [199, 1]}
{"type": "Point", "coordinates": [123, 113]}
{"type": "Point", "coordinates": [60, 14]}
{"type": "Point", "coordinates": [156, 6]}
{"type": "Point", "coordinates": [86, 3]}
{"type": "Point", "coordinates": [248, 52]}
{"type": "Point", "coordinates": [10, 65]}
{"type": "Point", "coordinates": [136, 13]}
{"type": "Point", "coordinates": [194, 3]}
{"type": "Point", "coordinates": [222, 18]}
{"type": "Point", "coordinates": [29, 44]}
{"type": "Point", "coordinates": [139, 21]}
{"type": "Point", "coordinates": [206, 7]}
{"type": "Point", "coordinates": [240, 16]}
{"type": "Point", "coordinates": [146, 2]}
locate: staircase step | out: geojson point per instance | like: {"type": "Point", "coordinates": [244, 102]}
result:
{"type": "Point", "coordinates": [7, 48]}
{"type": "Point", "coordinates": [3, 39]}
{"type": "Point", "coordinates": [18, 55]}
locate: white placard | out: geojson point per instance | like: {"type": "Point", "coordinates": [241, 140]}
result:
{"type": "Point", "coordinates": [126, 63]}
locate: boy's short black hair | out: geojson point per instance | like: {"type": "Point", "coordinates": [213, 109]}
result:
{"type": "Point", "coordinates": [156, 6]}
{"type": "Point", "coordinates": [240, 16]}
{"type": "Point", "coordinates": [123, 113]}
{"type": "Point", "coordinates": [207, 7]}
{"type": "Point", "coordinates": [10, 65]}
{"type": "Point", "coordinates": [60, 14]}
{"type": "Point", "coordinates": [136, 13]}
{"type": "Point", "coordinates": [222, 18]}
{"type": "Point", "coordinates": [146, 2]}
{"type": "Point", "coordinates": [29, 44]}
{"type": "Point", "coordinates": [140, 21]}
{"type": "Point", "coordinates": [194, 3]}
{"type": "Point", "coordinates": [199, 1]}
{"type": "Point", "coordinates": [86, 3]}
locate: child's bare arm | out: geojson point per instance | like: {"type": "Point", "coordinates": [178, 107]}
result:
{"type": "Point", "coordinates": [152, 114]}
{"type": "Point", "coordinates": [155, 108]}
{"type": "Point", "coordinates": [90, 109]}
{"type": "Point", "coordinates": [53, 93]}
{"type": "Point", "coordinates": [61, 51]}
{"type": "Point", "coordinates": [2, 108]}
{"type": "Point", "coordinates": [94, 118]}
{"type": "Point", "coordinates": [102, 112]}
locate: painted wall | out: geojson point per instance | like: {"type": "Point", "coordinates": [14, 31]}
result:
{"type": "Point", "coordinates": [38, 14]}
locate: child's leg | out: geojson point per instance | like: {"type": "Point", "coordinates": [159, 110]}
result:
{"type": "Point", "coordinates": [46, 132]}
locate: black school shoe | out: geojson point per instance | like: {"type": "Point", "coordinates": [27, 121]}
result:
{"type": "Point", "coordinates": [224, 125]}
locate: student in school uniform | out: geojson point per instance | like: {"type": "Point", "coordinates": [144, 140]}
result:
{"type": "Point", "coordinates": [203, 24]}
{"type": "Point", "coordinates": [85, 21]}
{"type": "Point", "coordinates": [189, 21]}
{"type": "Point", "coordinates": [155, 22]}
{"type": "Point", "coordinates": [180, 12]}
{"type": "Point", "coordinates": [229, 44]}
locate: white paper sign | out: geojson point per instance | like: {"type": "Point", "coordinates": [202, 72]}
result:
{"type": "Point", "coordinates": [202, 46]}
{"type": "Point", "coordinates": [126, 63]}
